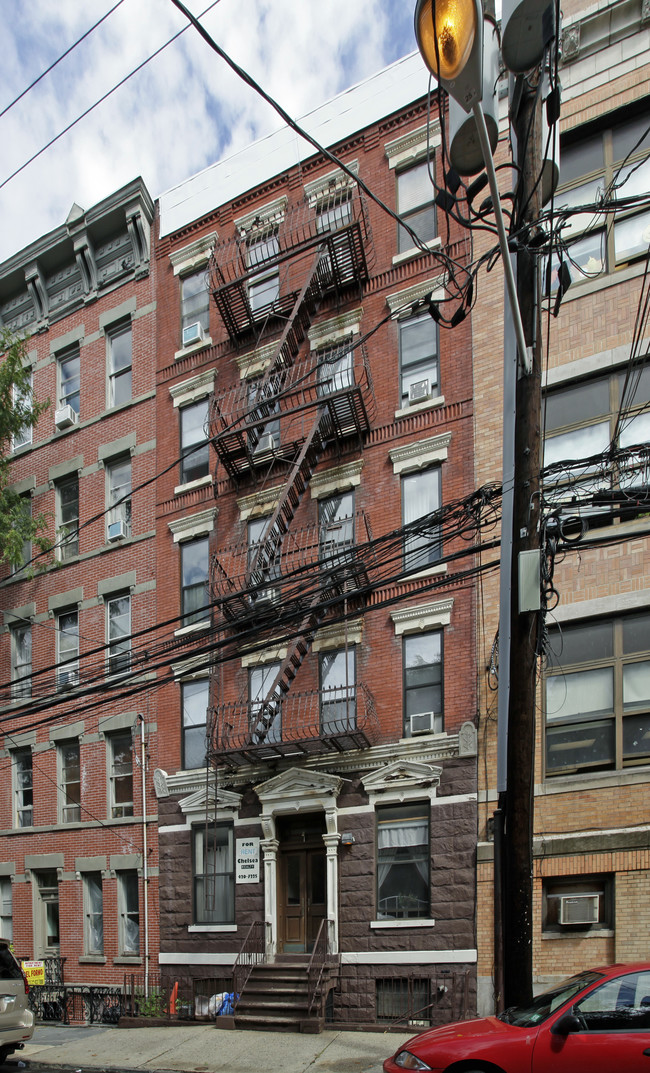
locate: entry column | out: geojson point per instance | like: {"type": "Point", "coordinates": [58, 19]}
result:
{"type": "Point", "coordinates": [332, 847]}
{"type": "Point", "coordinates": [270, 850]}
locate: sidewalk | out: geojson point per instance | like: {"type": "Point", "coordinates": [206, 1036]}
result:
{"type": "Point", "coordinates": [200, 1048]}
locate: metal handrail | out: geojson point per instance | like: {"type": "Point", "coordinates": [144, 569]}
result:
{"type": "Point", "coordinates": [252, 952]}
{"type": "Point", "coordinates": [321, 956]}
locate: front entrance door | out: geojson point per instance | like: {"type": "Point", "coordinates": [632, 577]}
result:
{"type": "Point", "coordinates": [301, 897]}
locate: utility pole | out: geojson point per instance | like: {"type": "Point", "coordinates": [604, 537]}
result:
{"type": "Point", "coordinates": [518, 803]}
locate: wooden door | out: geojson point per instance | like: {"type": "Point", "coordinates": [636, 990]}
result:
{"type": "Point", "coordinates": [302, 898]}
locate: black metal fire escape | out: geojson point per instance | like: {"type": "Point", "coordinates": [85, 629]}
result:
{"type": "Point", "coordinates": [316, 413]}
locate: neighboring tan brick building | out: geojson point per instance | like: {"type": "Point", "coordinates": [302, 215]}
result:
{"type": "Point", "coordinates": [592, 771]}
{"type": "Point", "coordinates": [74, 882]}
{"type": "Point", "coordinates": [317, 409]}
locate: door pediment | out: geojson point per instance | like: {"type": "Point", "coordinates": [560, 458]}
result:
{"type": "Point", "coordinates": [302, 789]}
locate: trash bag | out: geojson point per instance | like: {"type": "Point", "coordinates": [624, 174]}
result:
{"type": "Point", "coordinates": [228, 1004]}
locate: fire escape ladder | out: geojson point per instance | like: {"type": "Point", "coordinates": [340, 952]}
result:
{"type": "Point", "coordinates": [269, 708]}
{"type": "Point", "coordinates": [301, 471]}
{"type": "Point", "coordinates": [226, 593]}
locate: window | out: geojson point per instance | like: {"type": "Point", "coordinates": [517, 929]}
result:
{"type": "Point", "coordinates": [68, 517]}
{"type": "Point", "coordinates": [195, 598]}
{"type": "Point", "coordinates": [333, 213]}
{"type": "Point", "coordinates": [421, 496]}
{"type": "Point", "coordinates": [619, 1005]}
{"type": "Point", "coordinates": [418, 356]}
{"type": "Point", "coordinates": [338, 707]}
{"type": "Point", "coordinates": [26, 507]}
{"type": "Point", "coordinates": [580, 421]}
{"type": "Point", "coordinates": [195, 307]}
{"type": "Point", "coordinates": [597, 695]}
{"type": "Point", "coordinates": [118, 476]}
{"type": "Point", "coordinates": [194, 699]}
{"type": "Point", "coordinates": [616, 160]}
{"type": "Point", "coordinates": [70, 782]}
{"type": "Point", "coordinates": [263, 286]}
{"type": "Point", "coordinates": [93, 913]}
{"type": "Point", "coordinates": [265, 723]}
{"type": "Point", "coordinates": [120, 345]}
{"type": "Point", "coordinates": [335, 526]}
{"type": "Point", "coordinates": [578, 903]}
{"type": "Point", "coordinates": [69, 380]}
{"type": "Point", "coordinates": [118, 629]}
{"type": "Point", "coordinates": [129, 913]}
{"type": "Point", "coordinates": [415, 206]}
{"type": "Point", "coordinates": [263, 570]}
{"type": "Point", "coordinates": [403, 862]}
{"type": "Point", "coordinates": [335, 369]}
{"type": "Point", "coordinates": [23, 788]}
{"type": "Point", "coordinates": [195, 451]}
{"type": "Point", "coordinates": [21, 662]}
{"type": "Point", "coordinates": [6, 909]}
{"type": "Point", "coordinates": [262, 404]}
{"type": "Point", "coordinates": [23, 398]}
{"type": "Point", "coordinates": [403, 998]}
{"type": "Point", "coordinates": [121, 775]}
{"type": "Point", "coordinates": [423, 683]}
{"type": "Point", "coordinates": [67, 672]}
{"type": "Point", "coordinates": [214, 874]}
{"type": "Point", "coordinates": [47, 923]}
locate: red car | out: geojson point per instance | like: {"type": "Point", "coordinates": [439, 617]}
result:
{"type": "Point", "coordinates": [595, 1022]}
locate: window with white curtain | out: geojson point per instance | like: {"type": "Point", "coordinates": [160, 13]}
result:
{"type": "Point", "coordinates": [421, 496]}
{"type": "Point", "coordinates": [93, 913]}
{"type": "Point", "coordinates": [214, 874]}
{"type": "Point", "coordinates": [403, 862]}
{"type": "Point", "coordinates": [335, 368]}
{"type": "Point", "coordinates": [597, 694]}
{"type": "Point", "coordinates": [338, 706]}
{"type": "Point", "coordinates": [129, 912]}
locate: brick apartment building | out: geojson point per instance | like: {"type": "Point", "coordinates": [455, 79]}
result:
{"type": "Point", "coordinates": [75, 881]}
{"type": "Point", "coordinates": [591, 835]}
{"type": "Point", "coordinates": [327, 655]}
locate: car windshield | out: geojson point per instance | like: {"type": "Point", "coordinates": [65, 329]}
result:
{"type": "Point", "coordinates": [9, 967]}
{"type": "Point", "coordinates": [546, 1003]}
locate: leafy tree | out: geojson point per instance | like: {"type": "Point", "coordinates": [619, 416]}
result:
{"type": "Point", "coordinates": [18, 411]}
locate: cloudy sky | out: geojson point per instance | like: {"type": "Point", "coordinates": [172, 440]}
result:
{"type": "Point", "coordinates": [183, 110]}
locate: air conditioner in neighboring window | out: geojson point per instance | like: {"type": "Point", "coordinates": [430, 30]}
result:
{"type": "Point", "coordinates": [579, 909]}
{"type": "Point", "coordinates": [67, 679]}
{"type": "Point", "coordinates": [267, 596]}
{"type": "Point", "coordinates": [116, 531]}
{"type": "Point", "coordinates": [64, 417]}
{"type": "Point", "coordinates": [419, 391]}
{"type": "Point", "coordinates": [192, 333]}
{"type": "Point", "coordinates": [422, 723]}
{"type": "Point", "coordinates": [266, 443]}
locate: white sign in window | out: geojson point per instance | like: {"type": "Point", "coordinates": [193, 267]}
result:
{"type": "Point", "coordinates": [247, 869]}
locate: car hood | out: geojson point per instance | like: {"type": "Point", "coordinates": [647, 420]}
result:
{"type": "Point", "coordinates": [487, 1028]}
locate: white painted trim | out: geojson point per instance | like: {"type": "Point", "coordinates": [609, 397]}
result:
{"type": "Point", "coordinates": [418, 407]}
{"type": "Point", "coordinates": [407, 957]}
{"type": "Point", "coordinates": [422, 453]}
{"type": "Point", "coordinates": [260, 220]}
{"type": "Point", "coordinates": [200, 482]}
{"type": "Point", "coordinates": [411, 148]}
{"type": "Point", "coordinates": [173, 828]}
{"type": "Point", "coordinates": [415, 251]}
{"type": "Point", "coordinates": [189, 957]}
{"type": "Point", "coordinates": [419, 617]}
{"type": "Point", "coordinates": [195, 525]}
{"type": "Point", "coordinates": [602, 605]}
{"type": "Point", "coordinates": [197, 387]}
{"type": "Point", "coordinates": [402, 923]}
{"type": "Point", "coordinates": [335, 329]}
{"type": "Point", "coordinates": [194, 929]}
{"type": "Point", "coordinates": [330, 183]}
{"type": "Point", "coordinates": [408, 296]}
{"type": "Point", "coordinates": [338, 479]}
{"type": "Point", "coordinates": [189, 258]}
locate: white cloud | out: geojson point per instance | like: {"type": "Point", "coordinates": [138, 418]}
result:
{"type": "Point", "coordinates": [184, 110]}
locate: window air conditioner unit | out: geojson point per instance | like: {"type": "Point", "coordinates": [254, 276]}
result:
{"type": "Point", "coordinates": [67, 679]}
{"type": "Point", "coordinates": [64, 417]}
{"type": "Point", "coordinates": [267, 596]}
{"type": "Point", "coordinates": [579, 909]}
{"type": "Point", "coordinates": [419, 391]}
{"type": "Point", "coordinates": [265, 443]}
{"type": "Point", "coordinates": [422, 723]}
{"type": "Point", "coordinates": [193, 333]}
{"type": "Point", "coordinates": [116, 531]}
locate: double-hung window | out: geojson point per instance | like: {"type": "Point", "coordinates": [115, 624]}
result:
{"type": "Point", "coordinates": [68, 517]}
{"type": "Point", "coordinates": [6, 908]}
{"type": "Point", "coordinates": [214, 874]}
{"type": "Point", "coordinates": [263, 563]}
{"type": "Point", "coordinates": [22, 398]}
{"type": "Point", "coordinates": [195, 451]}
{"type": "Point", "coordinates": [69, 782]}
{"type": "Point", "coordinates": [335, 527]}
{"type": "Point", "coordinates": [265, 722]}
{"type": "Point", "coordinates": [47, 938]}
{"type": "Point", "coordinates": [263, 403]}
{"type": "Point", "coordinates": [421, 496]}
{"type": "Point", "coordinates": [264, 286]}
{"type": "Point", "coordinates": [23, 788]}
{"type": "Point", "coordinates": [128, 905]}
{"type": "Point", "coordinates": [195, 598]}
{"type": "Point", "coordinates": [415, 206]}
{"type": "Point", "coordinates": [333, 213]}
{"type": "Point", "coordinates": [118, 477]}
{"type": "Point", "coordinates": [335, 369]}
{"type": "Point", "coordinates": [93, 913]}
{"type": "Point", "coordinates": [338, 707]}
{"type": "Point", "coordinates": [423, 683]}
{"type": "Point", "coordinates": [614, 161]}
{"type": "Point", "coordinates": [69, 380]}
{"type": "Point", "coordinates": [195, 308]}
{"type": "Point", "coordinates": [597, 694]}
{"type": "Point", "coordinates": [21, 661]}
{"type": "Point", "coordinates": [120, 360]}
{"type": "Point", "coordinates": [120, 748]}
{"type": "Point", "coordinates": [67, 671]}
{"type": "Point", "coordinates": [194, 700]}
{"type": "Point", "coordinates": [403, 884]}
{"type": "Point", "coordinates": [118, 629]}
{"type": "Point", "coordinates": [418, 357]}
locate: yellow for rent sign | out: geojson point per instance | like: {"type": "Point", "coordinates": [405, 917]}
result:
{"type": "Point", "coordinates": [35, 972]}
